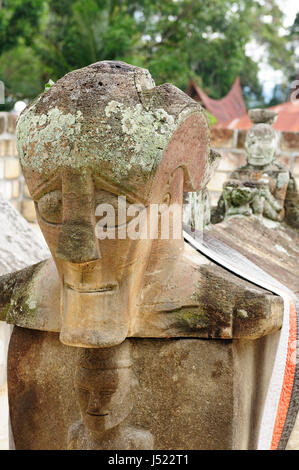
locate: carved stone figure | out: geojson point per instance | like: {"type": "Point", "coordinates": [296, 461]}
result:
{"type": "Point", "coordinates": [262, 187]}
{"type": "Point", "coordinates": [104, 381]}
{"type": "Point", "coordinates": [20, 246]}
{"type": "Point", "coordinates": [100, 133]}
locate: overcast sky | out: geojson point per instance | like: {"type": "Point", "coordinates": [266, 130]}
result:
{"type": "Point", "coordinates": [269, 77]}
{"type": "Point", "coordinates": [290, 9]}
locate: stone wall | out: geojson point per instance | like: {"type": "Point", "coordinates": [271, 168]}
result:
{"type": "Point", "coordinates": [230, 143]}
{"type": "Point", "coordinates": [12, 186]}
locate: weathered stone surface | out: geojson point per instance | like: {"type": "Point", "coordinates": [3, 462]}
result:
{"type": "Point", "coordinates": [263, 186]}
{"type": "Point", "coordinates": [19, 244]}
{"type": "Point", "coordinates": [98, 133]}
{"type": "Point", "coordinates": [174, 303]}
{"type": "Point", "coordinates": [271, 245]}
{"type": "Point", "coordinates": [189, 393]}
{"type": "Point", "coordinates": [102, 132]}
{"type": "Point", "coordinates": [19, 247]}
{"type": "Point", "coordinates": [274, 247]}
{"type": "Point", "coordinates": [262, 116]}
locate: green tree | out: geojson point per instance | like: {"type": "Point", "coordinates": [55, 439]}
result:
{"type": "Point", "coordinates": [175, 40]}
{"type": "Point", "coordinates": [19, 21]}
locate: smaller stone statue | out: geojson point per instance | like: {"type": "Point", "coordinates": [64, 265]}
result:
{"type": "Point", "coordinates": [104, 380]}
{"type": "Point", "coordinates": [262, 187]}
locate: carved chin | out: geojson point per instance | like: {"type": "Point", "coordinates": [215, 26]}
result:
{"type": "Point", "coordinates": [94, 319]}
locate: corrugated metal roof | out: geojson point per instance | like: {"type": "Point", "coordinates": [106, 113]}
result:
{"type": "Point", "coordinates": [225, 109]}
{"type": "Point", "coordinates": [287, 121]}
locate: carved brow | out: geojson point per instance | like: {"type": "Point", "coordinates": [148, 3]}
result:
{"type": "Point", "coordinates": [45, 187]}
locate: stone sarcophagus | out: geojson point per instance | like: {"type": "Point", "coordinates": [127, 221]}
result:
{"type": "Point", "coordinates": [128, 338]}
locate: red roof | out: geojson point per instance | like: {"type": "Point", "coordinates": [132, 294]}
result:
{"type": "Point", "coordinates": [288, 118]}
{"type": "Point", "coordinates": [225, 109]}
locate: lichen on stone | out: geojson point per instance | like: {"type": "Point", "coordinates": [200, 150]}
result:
{"type": "Point", "coordinates": [148, 130]}
{"type": "Point", "coordinates": [45, 140]}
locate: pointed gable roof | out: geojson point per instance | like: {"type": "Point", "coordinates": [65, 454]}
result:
{"type": "Point", "coordinates": [230, 107]}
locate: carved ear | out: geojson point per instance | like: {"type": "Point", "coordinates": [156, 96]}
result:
{"type": "Point", "coordinates": [189, 145]}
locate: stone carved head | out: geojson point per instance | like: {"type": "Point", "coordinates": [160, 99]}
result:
{"type": "Point", "coordinates": [103, 382]}
{"type": "Point", "coordinates": [101, 132]}
{"type": "Point", "coordinates": [261, 139]}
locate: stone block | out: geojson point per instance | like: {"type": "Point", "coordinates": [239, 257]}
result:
{"type": "Point", "coordinates": [6, 148]}
{"type": "Point", "coordinates": [222, 138]}
{"type": "Point", "coordinates": [230, 161]}
{"type": "Point", "coordinates": [185, 392]}
{"type": "Point", "coordinates": [11, 123]}
{"type": "Point", "coordinates": [289, 141]}
{"type": "Point", "coordinates": [28, 211]}
{"type": "Point", "coordinates": [12, 168]}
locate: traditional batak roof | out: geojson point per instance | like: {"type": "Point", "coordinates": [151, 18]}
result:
{"type": "Point", "coordinates": [230, 107]}
{"type": "Point", "coordinates": [287, 121]}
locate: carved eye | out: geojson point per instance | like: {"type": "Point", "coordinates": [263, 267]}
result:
{"type": "Point", "coordinates": [50, 207]}
{"type": "Point", "coordinates": [114, 211]}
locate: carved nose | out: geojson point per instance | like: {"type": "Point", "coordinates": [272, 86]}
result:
{"type": "Point", "coordinates": [77, 243]}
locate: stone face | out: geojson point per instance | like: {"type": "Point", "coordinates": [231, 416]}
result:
{"type": "Point", "coordinates": [184, 397]}
{"type": "Point", "coordinates": [262, 187]}
{"type": "Point", "coordinates": [98, 133]}
{"type": "Point", "coordinates": [104, 381]}
{"type": "Point", "coordinates": [105, 135]}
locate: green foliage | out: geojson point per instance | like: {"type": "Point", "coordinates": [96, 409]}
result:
{"type": "Point", "coordinates": [175, 40]}
{"type": "Point", "coordinates": [49, 84]}
{"type": "Point", "coordinates": [19, 19]}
